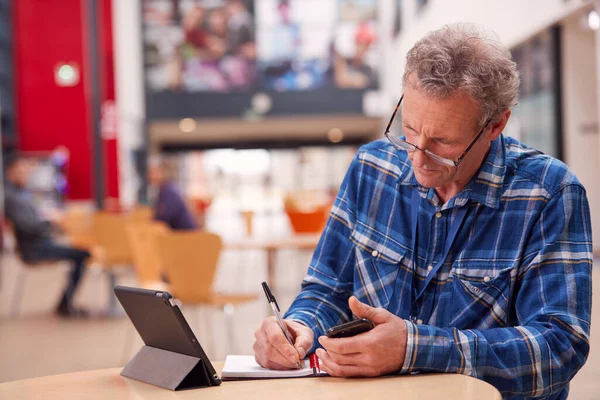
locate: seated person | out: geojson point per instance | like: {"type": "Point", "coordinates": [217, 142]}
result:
{"type": "Point", "coordinates": [470, 252]}
{"type": "Point", "coordinates": [33, 233]}
{"type": "Point", "coordinates": [170, 207]}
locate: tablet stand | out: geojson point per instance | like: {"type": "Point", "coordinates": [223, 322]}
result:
{"type": "Point", "coordinates": [167, 369]}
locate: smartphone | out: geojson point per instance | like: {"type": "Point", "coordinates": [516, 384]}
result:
{"type": "Point", "coordinates": [351, 328]}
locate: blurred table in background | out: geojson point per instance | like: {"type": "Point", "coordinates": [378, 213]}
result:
{"type": "Point", "coordinates": [271, 246]}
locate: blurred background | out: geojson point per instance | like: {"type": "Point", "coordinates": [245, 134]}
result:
{"type": "Point", "coordinates": [252, 111]}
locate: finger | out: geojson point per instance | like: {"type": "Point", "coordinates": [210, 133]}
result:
{"type": "Point", "coordinates": [362, 310]}
{"type": "Point", "coordinates": [278, 340]}
{"type": "Point", "coordinates": [358, 359]}
{"type": "Point", "coordinates": [271, 365]}
{"type": "Point", "coordinates": [267, 355]}
{"type": "Point", "coordinates": [304, 337]}
{"type": "Point", "coordinates": [334, 369]}
{"type": "Point", "coordinates": [351, 345]}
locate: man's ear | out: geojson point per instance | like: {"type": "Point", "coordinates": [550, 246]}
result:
{"type": "Point", "coordinates": [498, 126]}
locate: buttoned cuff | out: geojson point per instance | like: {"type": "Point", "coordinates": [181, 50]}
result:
{"type": "Point", "coordinates": [311, 322]}
{"type": "Point", "coordinates": [411, 338]}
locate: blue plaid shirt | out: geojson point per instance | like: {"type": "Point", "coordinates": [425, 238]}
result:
{"type": "Point", "coordinates": [511, 302]}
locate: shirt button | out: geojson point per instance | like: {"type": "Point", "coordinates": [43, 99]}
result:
{"type": "Point", "coordinates": [375, 253]}
{"type": "Point", "coordinates": [486, 279]}
{"type": "Point", "coordinates": [430, 268]}
{"type": "Point", "coordinates": [438, 214]}
{"type": "Point", "coordinates": [420, 321]}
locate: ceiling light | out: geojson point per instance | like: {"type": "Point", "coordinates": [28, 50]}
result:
{"type": "Point", "coordinates": [593, 20]}
{"type": "Point", "coordinates": [187, 125]}
{"type": "Point", "coordinates": [335, 135]}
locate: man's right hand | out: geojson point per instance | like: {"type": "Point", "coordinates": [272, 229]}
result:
{"type": "Point", "coordinates": [273, 351]}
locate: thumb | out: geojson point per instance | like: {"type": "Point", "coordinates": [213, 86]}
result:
{"type": "Point", "coordinates": [375, 315]}
{"type": "Point", "coordinates": [304, 339]}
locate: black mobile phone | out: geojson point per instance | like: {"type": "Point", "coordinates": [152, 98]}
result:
{"type": "Point", "coordinates": [351, 328]}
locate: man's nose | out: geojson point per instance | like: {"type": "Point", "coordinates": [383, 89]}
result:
{"type": "Point", "coordinates": [419, 158]}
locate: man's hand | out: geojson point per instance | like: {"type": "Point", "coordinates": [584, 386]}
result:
{"type": "Point", "coordinates": [273, 351]}
{"type": "Point", "coordinates": [54, 216]}
{"type": "Point", "coordinates": [377, 352]}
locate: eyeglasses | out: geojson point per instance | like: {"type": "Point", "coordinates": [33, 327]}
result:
{"type": "Point", "coordinates": [402, 144]}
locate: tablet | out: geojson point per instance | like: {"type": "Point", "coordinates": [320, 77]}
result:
{"type": "Point", "coordinates": [161, 324]}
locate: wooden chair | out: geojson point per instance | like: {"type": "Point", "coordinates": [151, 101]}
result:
{"type": "Point", "coordinates": [190, 259]}
{"type": "Point", "coordinates": [23, 272]}
{"type": "Point", "coordinates": [141, 213]}
{"type": "Point", "coordinates": [111, 251]}
{"type": "Point", "coordinates": [77, 224]}
{"type": "Point", "coordinates": [145, 258]}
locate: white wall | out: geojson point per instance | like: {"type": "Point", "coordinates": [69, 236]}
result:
{"type": "Point", "coordinates": [129, 83]}
{"type": "Point", "coordinates": [580, 111]}
{"type": "Point", "coordinates": [514, 21]}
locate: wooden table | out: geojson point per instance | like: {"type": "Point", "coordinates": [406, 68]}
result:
{"type": "Point", "coordinates": [108, 384]}
{"type": "Point", "coordinates": [272, 246]}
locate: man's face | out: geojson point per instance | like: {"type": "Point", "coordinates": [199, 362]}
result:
{"type": "Point", "coordinates": [155, 175]}
{"type": "Point", "coordinates": [445, 127]}
{"type": "Point", "coordinates": [19, 173]}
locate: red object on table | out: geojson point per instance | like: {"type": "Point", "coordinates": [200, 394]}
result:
{"type": "Point", "coordinates": [308, 222]}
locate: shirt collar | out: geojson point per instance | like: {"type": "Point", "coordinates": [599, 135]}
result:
{"type": "Point", "coordinates": [484, 187]}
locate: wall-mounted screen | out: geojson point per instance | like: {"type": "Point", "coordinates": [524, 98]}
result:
{"type": "Point", "coordinates": [248, 58]}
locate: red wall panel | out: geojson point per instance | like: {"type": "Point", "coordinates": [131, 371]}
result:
{"type": "Point", "coordinates": [48, 33]}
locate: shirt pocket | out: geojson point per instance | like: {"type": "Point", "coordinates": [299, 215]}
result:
{"type": "Point", "coordinates": [378, 261]}
{"type": "Point", "coordinates": [481, 296]}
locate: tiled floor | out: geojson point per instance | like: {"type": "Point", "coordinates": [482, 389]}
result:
{"type": "Point", "coordinates": [37, 343]}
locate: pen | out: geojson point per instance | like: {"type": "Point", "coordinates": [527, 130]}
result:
{"type": "Point", "coordinates": [275, 307]}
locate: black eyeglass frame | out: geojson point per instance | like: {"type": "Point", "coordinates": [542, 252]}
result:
{"type": "Point", "coordinates": [394, 140]}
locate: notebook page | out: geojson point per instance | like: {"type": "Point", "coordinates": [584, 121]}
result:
{"type": "Point", "coordinates": [244, 367]}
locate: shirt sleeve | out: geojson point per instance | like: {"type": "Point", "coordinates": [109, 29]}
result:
{"type": "Point", "coordinates": [552, 305]}
{"type": "Point", "coordinates": [323, 300]}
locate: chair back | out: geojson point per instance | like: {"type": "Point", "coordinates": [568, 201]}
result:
{"type": "Point", "coordinates": [77, 224]}
{"type": "Point", "coordinates": [111, 238]}
{"type": "Point", "coordinates": [143, 252]}
{"type": "Point", "coordinates": [141, 213]}
{"type": "Point", "coordinates": [190, 259]}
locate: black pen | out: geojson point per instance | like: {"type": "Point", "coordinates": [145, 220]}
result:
{"type": "Point", "coordinates": [275, 307]}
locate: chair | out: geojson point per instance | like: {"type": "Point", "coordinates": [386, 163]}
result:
{"type": "Point", "coordinates": [190, 259]}
{"type": "Point", "coordinates": [145, 258]}
{"type": "Point", "coordinates": [111, 249]}
{"type": "Point", "coordinates": [77, 224]}
{"type": "Point", "coordinates": [140, 214]}
{"type": "Point", "coordinates": [22, 274]}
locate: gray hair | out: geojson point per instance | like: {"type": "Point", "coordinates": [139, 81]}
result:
{"type": "Point", "coordinates": [462, 58]}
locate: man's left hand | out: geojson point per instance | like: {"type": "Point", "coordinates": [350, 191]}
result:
{"type": "Point", "coordinates": [377, 352]}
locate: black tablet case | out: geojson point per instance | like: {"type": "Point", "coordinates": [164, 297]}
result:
{"type": "Point", "coordinates": [172, 357]}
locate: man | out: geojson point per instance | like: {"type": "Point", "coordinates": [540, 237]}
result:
{"type": "Point", "coordinates": [33, 233]}
{"type": "Point", "coordinates": [470, 252]}
{"type": "Point", "coordinates": [169, 207]}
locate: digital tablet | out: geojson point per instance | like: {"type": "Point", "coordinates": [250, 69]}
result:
{"type": "Point", "coordinates": [161, 324]}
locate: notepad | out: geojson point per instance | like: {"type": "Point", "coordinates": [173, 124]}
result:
{"type": "Point", "coordinates": [245, 367]}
